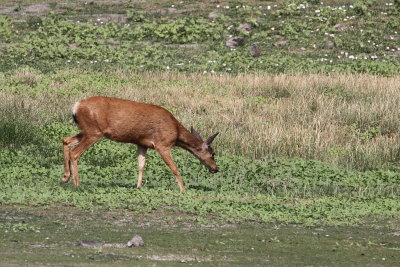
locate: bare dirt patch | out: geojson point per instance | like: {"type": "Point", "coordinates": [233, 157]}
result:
{"type": "Point", "coordinates": [37, 8]}
{"type": "Point", "coordinates": [174, 257]}
{"type": "Point", "coordinates": [31, 10]}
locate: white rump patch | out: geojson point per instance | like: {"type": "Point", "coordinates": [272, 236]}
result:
{"type": "Point", "coordinates": [75, 108]}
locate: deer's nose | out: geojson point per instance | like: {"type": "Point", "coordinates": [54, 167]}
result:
{"type": "Point", "coordinates": [214, 170]}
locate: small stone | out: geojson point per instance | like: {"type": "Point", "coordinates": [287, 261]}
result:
{"type": "Point", "coordinates": [340, 27]}
{"type": "Point", "coordinates": [213, 15]}
{"type": "Point", "coordinates": [235, 41]}
{"type": "Point", "coordinates": [244, 27]}
{"type": "Point", "coordinates": [136, 241]}
{"type": "Point", "coordinates": [255, 52]}
{"type": "Point", "coordinates": [329, 44]}
{"type": "Point", "coordinates": [281, 43]}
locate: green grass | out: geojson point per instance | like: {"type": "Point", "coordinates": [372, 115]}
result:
{"type": "Point", "coordinates": [277, 190]}
{"type": "Point", "coordinates": [146, 36]}
{"type": "Point", "coordinates": [296, 145]}
{"type": "Point", "coordinates": [349, 121]}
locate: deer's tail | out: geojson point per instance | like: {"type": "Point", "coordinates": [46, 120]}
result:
{"type": "Point", "coordinates": [74, 112]}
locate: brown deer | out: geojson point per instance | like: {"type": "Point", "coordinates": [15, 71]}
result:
{"type": "Point", "coordinates": [147, 126]}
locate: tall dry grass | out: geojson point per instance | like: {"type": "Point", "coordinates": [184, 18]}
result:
{"type": "Point", "coordinates": [346, 120]}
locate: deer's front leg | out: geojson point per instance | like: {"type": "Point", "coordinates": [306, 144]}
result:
{"type": "Point", "coordinates": [141, 153]}
{"type": "Point", "coordinates": [166, 156]}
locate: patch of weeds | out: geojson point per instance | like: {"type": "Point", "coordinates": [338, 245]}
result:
{"type": "Point", "coordinates": [278, 92]}
{"type": "Point", "coordinates": [362, 7]}
{"type": "Point", "coordinates": [318, 38]}
{"type": "Point", "coordinates": [365, 133]}
{"type": "Point", "coordinates": [5, 28]}
{"type": "Point", "coordinates": [24, 227]}
{"type": "Point", "coordinates": [17, 7]}
{"type": "Point", "coordinates": [34, 23]}
{"type": "Point", "coordinates": [338, 92]}
{"type": "Point", "coordinates": [258, 100]}
{"type": "Point", "coordinates": [16, 126]}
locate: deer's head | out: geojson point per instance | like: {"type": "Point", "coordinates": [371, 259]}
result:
{"type": "Point", "coordinates": [205, 153]}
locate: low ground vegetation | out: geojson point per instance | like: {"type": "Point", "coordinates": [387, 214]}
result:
{"type": "Point", "coordinates": [305, 95]}
{"type": "Point", "coordinates": [270, 160]}
{"type": "Point", "coordinates": [291, 36]}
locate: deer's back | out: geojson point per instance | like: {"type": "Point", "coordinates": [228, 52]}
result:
{"type": "Point", "coordinates": [127, 121]}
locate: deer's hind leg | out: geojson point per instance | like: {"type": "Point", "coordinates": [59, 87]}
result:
{"type": "Point", "coordinates": [74, 154]}
{"type": "Point", "coordinates": [69, 142]}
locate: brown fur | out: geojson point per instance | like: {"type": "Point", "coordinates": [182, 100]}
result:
{"type": "Point", "coordinates": [147, 126]}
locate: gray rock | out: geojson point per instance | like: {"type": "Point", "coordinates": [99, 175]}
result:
{"type": "Point", "coordinates": [213, 15]}
{"type": "Point", "coordinates": [255, 52]}
{"type": "Point", "coordinates": [329, 44]}
{"type": "Point", "coordinates": [244, 27]}
{"type": "Point", "coordinates": [281, 43]}
{"type": "Point", "coordinates": [235, 41]}
{"type": "Point", "coordinates": [340, 27]}
{"type": "Point", "coordinates": [136, 241]}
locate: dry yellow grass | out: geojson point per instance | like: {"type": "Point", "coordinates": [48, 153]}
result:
{"type": "Point", "coordinates": [349, 120]}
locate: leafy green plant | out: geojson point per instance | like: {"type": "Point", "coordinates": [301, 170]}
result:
{"type": "Point", "coordinates": [188, 30]}
{"type": "Point", "coordinates": [321, 39]}
{"type": "Point", "coordinates": [361, 7]}
{"type": "Point", "coordinates": [5, 28]}
{"type": "Point", "coordinates": [24, 227]}
{"type": "Point", "coordinates": [136, 16]}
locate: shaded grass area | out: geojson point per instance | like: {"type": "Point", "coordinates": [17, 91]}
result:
{"type": "Point", "coordinates": [49, 236]}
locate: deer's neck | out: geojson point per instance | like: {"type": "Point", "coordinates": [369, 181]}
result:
{"type": "Point", "coordinates": [188, 141]}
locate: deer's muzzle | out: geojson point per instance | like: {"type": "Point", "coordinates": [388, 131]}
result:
{"type": "Point", "coordinates": [213, 170]}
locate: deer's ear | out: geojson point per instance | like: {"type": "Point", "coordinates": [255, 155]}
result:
{"type": "Point", "coordinates": [211, 139]}
{"type": "Point", "coordinates": [196, 134]}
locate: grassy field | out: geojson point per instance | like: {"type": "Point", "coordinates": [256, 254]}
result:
{"type": "Point", "coordinates": [349, 121]}
{"type": "Point", "coordinates": [309, 131]}
{"type": "Point", "coordinates": [290, 36]}
{"type": "Point", "coordinates": [276, 131]}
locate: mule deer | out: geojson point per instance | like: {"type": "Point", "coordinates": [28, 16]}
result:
{"type": "Point", "coordinates": [147, 126]}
